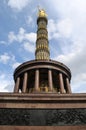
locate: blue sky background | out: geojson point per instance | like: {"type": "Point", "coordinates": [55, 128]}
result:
{"type": "Point", "coordinates": [67, 37]}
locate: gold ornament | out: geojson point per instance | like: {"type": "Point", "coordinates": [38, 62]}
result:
{"type": "Point", "coordinates": [42, 13]}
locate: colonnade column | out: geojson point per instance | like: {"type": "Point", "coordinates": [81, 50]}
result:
{"type": "Point", "coordinates": [68, 86]}
{"type": "Point", "coordinates": [61, 83]}
{"type": "Point", "coordinates": [50, 80]}
{"type": "Point", "coordinates": [16, 88]}
{"type": "Point", "coordinates": [25, 82]}
{"type": "Point", "coordinates": [37, 80]}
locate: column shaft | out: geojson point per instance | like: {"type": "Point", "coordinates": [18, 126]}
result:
{"type": "Point", "coordinates": [68, 86]}
{"type": "Point", "coordinates": [37, 80]}
{"type": "Point", "coordinates": [61, 83]}
{"type": "Point", "coordinates": [25, 82]}
{"type": "Point", "coordinates": [16, 88]}
{"type": "Point", "coordinates": [50, 80]}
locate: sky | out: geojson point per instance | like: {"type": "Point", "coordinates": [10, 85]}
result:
{"type": "Point", "coordinates": [66, 33]}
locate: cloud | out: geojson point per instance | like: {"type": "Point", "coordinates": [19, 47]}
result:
{"type": "Point", "coordinates": [4, 58]}
{"type": "Point", "coordinates": [79, 87]}
{"type": "Point", "coordinates": [29, 47]}
{"type": "Point", "coordinates": [66, 7]}
{"type": "Point", "coordinates": [10, 60]}
{"type": "Point", "coordinates": [52, 30]}
{"type": "Point", "coordinates": [65, 27]}
{"type": "Point", "coordinates": [6, 85]}
{"type": "Point", "coordinates": [27, 39]}
{"type": "Point", "coordinates": [2, 42]}
{"type": "Point", "coordinates": [60, 29]}
{"type": "Point", "coordinates": [15, 65]}
{"type": "Point", "coordinates": [74, 12]}
{"type": "Point", "coordinates": [16, 37]}
{"type": "Point", "coordinates": [30, 37]}
{"type": "Point", "coordinates": [29, 21]}
{"type": "Point", "coordinates": [13, 62]}
{"type": "Point", "coordinates": [18, 4]}
{"type": "Point", "coordinates": [21, 36]}
{"type": "Point", "coordinates": [11, 37]}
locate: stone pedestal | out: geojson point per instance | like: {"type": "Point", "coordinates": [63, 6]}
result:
{"type": "Point", "coordinates": [42, 111]}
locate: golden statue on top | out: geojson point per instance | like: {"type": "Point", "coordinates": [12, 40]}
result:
{"type": "Point", "coordinates": [42, 13]}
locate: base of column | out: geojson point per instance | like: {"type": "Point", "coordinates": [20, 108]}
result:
{"type": "Point", "coordinates": [35, 91]}
{"type": "Point", "coordinates": [50, 90]}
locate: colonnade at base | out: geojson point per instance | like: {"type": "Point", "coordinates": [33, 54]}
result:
{"type": "Point", "coordinates": [63, 83]}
